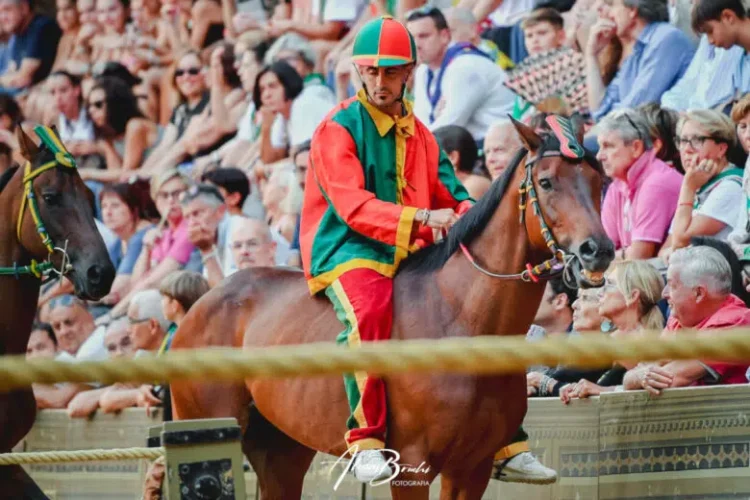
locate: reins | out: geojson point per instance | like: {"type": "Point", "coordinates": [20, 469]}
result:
{"type": "Point", "coordinates": [62, 158]}
{"type": "Point", "coordinates": [560, 261]}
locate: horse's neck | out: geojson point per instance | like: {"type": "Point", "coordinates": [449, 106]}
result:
{"type": "Point", "coordinates": [18, 297]}
{"type": "Point", "coordinates": [493, 306]}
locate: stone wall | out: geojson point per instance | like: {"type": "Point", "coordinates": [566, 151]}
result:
{"type": "Point", "coordinates": [688, 443]}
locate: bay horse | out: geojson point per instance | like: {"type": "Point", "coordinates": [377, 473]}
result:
{"type": "Point", "coordinates": [452, 424]}
{"type": "Point", "coordinates": [48, 224]}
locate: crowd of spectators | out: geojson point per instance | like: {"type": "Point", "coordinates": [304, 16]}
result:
{"type": "Point", "coordinates": [191, 123]}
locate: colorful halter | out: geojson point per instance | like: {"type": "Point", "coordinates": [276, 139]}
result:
{"type": "Point", "coordinates": [570, 149]}
{"type": "Point", "coordinates": [62, 158]}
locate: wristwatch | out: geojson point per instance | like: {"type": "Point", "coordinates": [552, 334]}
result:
{"type": "Point", "coordinates": [422, 216]}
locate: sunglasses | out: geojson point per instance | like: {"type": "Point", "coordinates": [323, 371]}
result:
{"type": "Point", "coordinates": [190, 71]}
{"type": "Point", "coordinates": [96, 104]}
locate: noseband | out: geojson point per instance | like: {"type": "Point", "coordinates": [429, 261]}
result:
{"type": "Point", "coordinates": [62, 159]}
{"type": "Point", "coordinates": [550, 267]}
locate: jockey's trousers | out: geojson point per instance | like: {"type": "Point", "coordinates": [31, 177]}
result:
{"type": "Point", "coordinates": [363, 299]}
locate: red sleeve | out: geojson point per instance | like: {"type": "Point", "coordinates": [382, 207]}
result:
{"type": "Point", "coordinates": [340, 176]}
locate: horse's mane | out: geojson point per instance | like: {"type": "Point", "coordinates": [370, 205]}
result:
{"type": "Point", "coordinates": [434, 257]}
{"type": "Point", "coordinates": [7, 176]}
{"type": "Point", "coordinates": [467, 228]}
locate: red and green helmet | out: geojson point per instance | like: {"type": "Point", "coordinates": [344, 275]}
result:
{"type": "Point", "coordinates": [384, 42]}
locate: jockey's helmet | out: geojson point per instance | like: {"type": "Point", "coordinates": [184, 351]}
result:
{"type": "Point", "coordinates": [384, 42]}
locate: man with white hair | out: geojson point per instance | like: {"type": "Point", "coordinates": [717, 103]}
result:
{"type": "Point", "coordinates": [641, 202]}
{"type": "Point", "coordinates": [463, 26]}
{"type": "Point", "coordinates": [147, 324]}
{"type": "Point", "coordinates": [699, 293]}
{"type": "Point", "coordinates": [500, 145]}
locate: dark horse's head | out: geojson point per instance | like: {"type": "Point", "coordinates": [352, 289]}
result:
{"type": "Point", "coordinates": [567, 181]}
{"type": "Point", "coordinates": [58, 218]}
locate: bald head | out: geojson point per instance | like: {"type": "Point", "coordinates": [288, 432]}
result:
{"type": "Point", "coordinates": [500, 144]}
{"type": "Point", "coordinates": [251, 243]}
{"type": "Point", "coordinates": [463, 25]}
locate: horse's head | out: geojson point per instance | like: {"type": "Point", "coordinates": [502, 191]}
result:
{"type": "Point", "coordinates": [561, 194]}
{"type": "Point", "coordinates": [56, 218]}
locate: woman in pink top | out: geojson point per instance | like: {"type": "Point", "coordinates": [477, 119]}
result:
{"type": "Point", "coordinates": [167, 247]}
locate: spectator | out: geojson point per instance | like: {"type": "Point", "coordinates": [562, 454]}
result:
{"type": "Point", "coordinates": [640, 203]}
{"type": "Point", "coordinates": [712, 80]}
{"type": "Point", "coordinates": [208, 230]}
{"type": "Point", "coordinates": [464, 29]}
{"type": "Point", "coordinates": [276, 88]}
{"type": "Point", "coordinates": [42, 342]}
{"type": "Point", "coordinates": [740, 236]}
{"type": "Point", "coordinates": [447, 71]}
{"type": "Point", "coordinates": [282, 199]}
{"type": "Point", "coordinates": [71, 321]}
{"type": "Point", "coordinates": [660, 56]}
{"type": "Point", "coordinates": [165, 249]}
{"type": "Point", "coordinates": [544, 31]}
{"type": "Point", "coordinates": [111, 43]}
{"type": "Point", "coordinates": [336, 16]}
{"type": "Point", "coordinates": [630, 300]}
{"type": "Point", "coordinates": [233, 185]}
{"type": "Point", "coordinates": [698, 291]}
{"type": "Point", "coordinates": [190, 84]}
{"type": "Point", "coordinates": [662, 127]}
{"type": "Point", "coordinates": [118, 344]}
{"type": "Point", "coordinates": [73, 123]}
{"type": "Point", "coordinates": [122, 212]}
{"type": "Point", "coordinates": [68, 21]}
{"type": "Point", "coordinates": [711, 193]}
{"type": "Point", "coordinates": [500, 146]}
{"type": "Point", "coordinates": [10, 118]}
{"type": "Point", "coordinates": [124, 136]}
{"type": "Point", "coordinates": [252, 244]}
{"type": "Point", "coordinates": [312, 104]}
{"type": "Point", "coordinates": [725, 23]}
{"type": "Point", "coordinates": [32, 45]}
{"type": "Point", "coordinates": [461, 149]}
{"type": "Point", "coordinates": [301, 157]}
{"type": "Point", "coordinates": [147, 331]}
{"type": "Point", "coordinates": [179, 291]}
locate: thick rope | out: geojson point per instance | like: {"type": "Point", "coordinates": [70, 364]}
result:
{"type": "Point", "coordinates": [478, 355]}
{"type": "Point", "coordinates": [47, 457]}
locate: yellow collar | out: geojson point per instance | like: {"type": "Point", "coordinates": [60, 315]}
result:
{"type": "Point", "coordinates": [384, 122]}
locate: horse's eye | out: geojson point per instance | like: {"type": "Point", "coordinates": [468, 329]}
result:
{"type": "Point", "coordinates": [545, 184]}
{"type": "Point", "coordinates": [51, 198]}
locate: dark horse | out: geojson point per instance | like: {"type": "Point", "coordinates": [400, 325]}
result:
{"type": "Point", "coordinates": [452, 423]}
{"type": "Point", "coordinates": [47, 216]}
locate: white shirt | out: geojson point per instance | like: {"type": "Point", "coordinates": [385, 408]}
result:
{"type": "Point", "coordinates": [473, 91]}
{"type": "Point", "coordinates": [93, 348]}
{"type": "Point", "coordinates": [309, 108]}
{"type": "Point", "coordinates": [510, 12]}
{"type": "Point", "coordinates": [723, 204]}
{"type": "Point", "coordinates": [740, 234]}
{"type": "Point", "coordinates": [347, 11]}
{"type": "Point", "coordinates": [247, 129]}
{"type": "Point", "coordinates": [81, 129]}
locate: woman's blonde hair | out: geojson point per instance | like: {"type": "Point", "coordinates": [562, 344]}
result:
{"type": "Point", "coordinates": [642, 276]}
{"type": "Point", "coordinates": [286, 177]}
{"type": "Point", "coordinates": [159, 180]}
{"type": "Point", "coordinates": [741, 109]}
{"type": "Point", "coordinates": [717, 125]}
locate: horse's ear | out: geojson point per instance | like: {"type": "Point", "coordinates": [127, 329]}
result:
{"type": "Point", "coordinates": [29, 149]}
{"type": "Point", "coordinates": [530, 139]}
{"type": "Point", "coordinates": [577, 122]}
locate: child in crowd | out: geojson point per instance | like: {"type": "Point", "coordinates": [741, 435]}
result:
{"type": "Point", "coordinates": [179, 291]}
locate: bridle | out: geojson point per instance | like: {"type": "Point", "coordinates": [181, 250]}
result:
{"type": "Point", "coordinates": [63, 158]}
{"type": "Point", "coordinates": [560, 261]}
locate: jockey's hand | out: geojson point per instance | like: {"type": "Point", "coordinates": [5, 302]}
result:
{"type": "Point", "coordinates": [443, 218]}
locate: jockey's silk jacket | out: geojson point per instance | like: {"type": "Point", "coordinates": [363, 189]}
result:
{"type": "Point", "coordinates": [368, 175]}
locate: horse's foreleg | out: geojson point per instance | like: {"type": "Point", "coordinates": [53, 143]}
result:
{"type": "Point", "coordinates": [470, 486]}
{"type": "Point", "coordinates": [16, 484]}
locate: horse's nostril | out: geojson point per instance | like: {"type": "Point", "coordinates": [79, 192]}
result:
{"type": "Point", "coordinates": [589, 248]}
{"type": "Point", "coordinates": [94, 275]}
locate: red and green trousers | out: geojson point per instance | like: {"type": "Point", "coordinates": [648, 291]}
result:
{"type": "Point", "coordinates": [363, 300]}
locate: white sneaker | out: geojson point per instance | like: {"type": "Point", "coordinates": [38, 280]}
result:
{"type": "Point", "coordinates": [523, 468]}
{"type": "Point", "coordinates": [370, 465]}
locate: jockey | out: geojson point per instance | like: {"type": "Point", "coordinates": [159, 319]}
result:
{"type": "Point", "coordinates": [377, 187]}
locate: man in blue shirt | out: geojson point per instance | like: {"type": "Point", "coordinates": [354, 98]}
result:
{"type": "Point", "coordinates": [661, 54]}
{"type": "Point", "coordinates": [32, 46]}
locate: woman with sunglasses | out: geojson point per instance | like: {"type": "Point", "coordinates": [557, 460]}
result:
{"type": "Point", "coordinates": [711, 194]}
{"type": "Point", "coordinates": [123, 135]}
{"type": "Point", "coordinates": [630, 301]}
{"type": "Point", "coordinates": [190, 86]}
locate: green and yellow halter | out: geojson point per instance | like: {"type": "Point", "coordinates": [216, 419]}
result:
{"type": "Point", "coordinates": [62, 158]}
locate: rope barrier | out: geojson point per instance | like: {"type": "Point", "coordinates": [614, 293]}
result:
{"type": "Point", "coordinates": [45, 457]}
{"type": "Point", "coordinates": [478, 355]}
